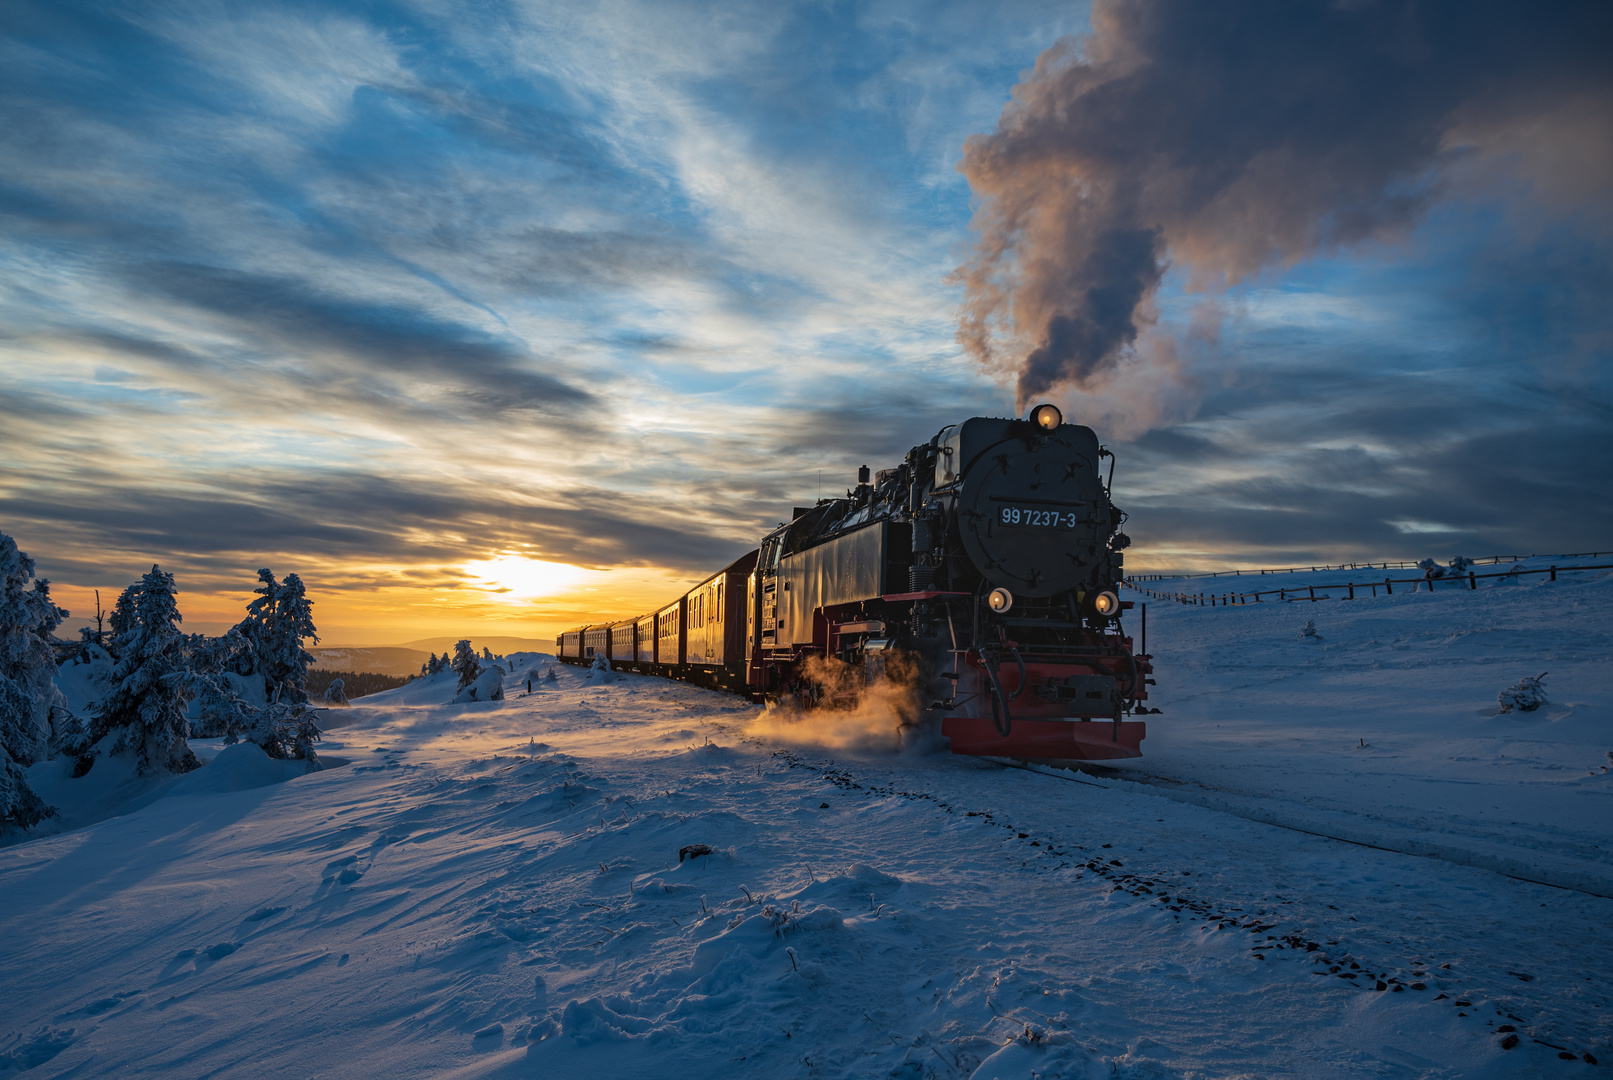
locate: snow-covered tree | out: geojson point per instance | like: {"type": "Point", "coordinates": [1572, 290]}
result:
{"type": "Point", "coordinates": [1526, 695]}
{"type": "Point", "coordinates": [147, 709]}
{"type": "Point", "coordinates": [28, 619]}
{"type": "Point", "coordinates": [122, 618]}
{"type": "Point", "coordinates": [286, 729]}
{"type": "Point", "coordinates": [30, 716]}
{"type": "Point", "coordinates": [277, 622]}
{"type": "Point", "coordinates": [487, 686]}
{"type": "Point", "coordinates": [600, 671]}
{"type": "Point", "coordinates": [465, 664]}
{"type": "Point", "coordinates": [334, 694]}
{"type": "Point", "coordinates": [88, 638]}
{"type": "Point", "coordinates": [252, 682]}
{"type": "Point", "coordinates": [487, 654]}
{"type": "Point", "coordinates": [226, 693]}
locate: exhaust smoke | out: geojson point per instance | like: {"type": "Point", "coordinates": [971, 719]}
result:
{"type": "Point", "coordinates": [1225, 139]}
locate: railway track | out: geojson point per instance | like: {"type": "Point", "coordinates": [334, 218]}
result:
{"type": "Point", "coordinates": [1172, 788]}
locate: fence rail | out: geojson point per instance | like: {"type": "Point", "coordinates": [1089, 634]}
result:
{"type": "Point", "coordinates": [1487, 560]}
{"type": "Point", "coordinates": [1470, 580]}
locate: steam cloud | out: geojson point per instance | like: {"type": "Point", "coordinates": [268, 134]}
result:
{"type": "Point", "coordinates": [879, 714]}
{"type": "Point", "coordinates": [1246, 134]}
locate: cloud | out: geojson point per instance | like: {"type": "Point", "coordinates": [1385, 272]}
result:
{"type": "Point", "coordinates": [1234, 138]}
{"type": "Point", "coordinates": [369, 291]}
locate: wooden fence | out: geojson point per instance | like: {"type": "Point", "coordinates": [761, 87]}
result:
{"type": "Point", "coordinates": [1487, 560]}
{"type": "Point", "coordinates": [1349, 590]}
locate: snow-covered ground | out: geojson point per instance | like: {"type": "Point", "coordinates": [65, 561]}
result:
{"type": "Point", "coordinates": [1384, 728]}
{"type": "Point", "coordinates": [496, 888]}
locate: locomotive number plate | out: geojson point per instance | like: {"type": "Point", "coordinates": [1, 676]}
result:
{"type": "Point", "coordinates": [1034, 517]}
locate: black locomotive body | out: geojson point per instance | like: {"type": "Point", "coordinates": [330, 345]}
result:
{"type": "Point", "coordinates": [991, 555]}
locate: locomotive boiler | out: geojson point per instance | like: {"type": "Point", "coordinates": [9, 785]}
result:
{"type": "Point", "coordinates": [990, 558]}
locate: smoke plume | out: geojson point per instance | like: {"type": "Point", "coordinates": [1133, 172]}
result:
{"type": "Point", "coordinates": [1232, 137]}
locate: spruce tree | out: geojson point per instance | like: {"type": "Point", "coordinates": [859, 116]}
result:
{"type": "Point", "coordinates": [147, 709]}
{"type": "Point", "coordinates": [287, 729]}
{"type": "Point", "coordinates": [122, 618]}
{"type": "Point", "coordinates": [276, 624]}
{"type": "Point", "coordinates": [466, 664]}
{"type": "Point", "coordinates": [30, 716]}
{"type": "Point", "coordinates": [220, 709]}
{"type": "Point", "coordinates": [272, 635]}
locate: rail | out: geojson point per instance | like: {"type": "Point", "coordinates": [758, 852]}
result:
{"type": "Point", "coordinates": [1304, 593]}
{"type": "Point", "coordinates": [1487, 560]}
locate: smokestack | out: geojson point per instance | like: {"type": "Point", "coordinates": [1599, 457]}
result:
{"type": "Point", "coordinates": [1225, 139]}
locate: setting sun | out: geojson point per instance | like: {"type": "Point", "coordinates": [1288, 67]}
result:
{"type": "Point", "coordinates": [517, 579]}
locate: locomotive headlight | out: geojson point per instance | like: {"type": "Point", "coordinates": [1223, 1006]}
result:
{"type": "Point", "coordinates": [1000, 600]}
{"type": "Point", "coordinates": [1106, 604]}
{"type": "Point", "coordinates": [1047, 417]}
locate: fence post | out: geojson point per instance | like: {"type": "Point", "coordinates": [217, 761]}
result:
{"type": "Point", "coordinates": [1352, 590]}
{"type": "Point", "coordinates": [1554, 573]}
{"type": "Point", "coordinates": [1472, 580]}
{"type": "Point", "coordinates": [1388, 587]}
{"type": "Point", "coordinates": [1313, 592]}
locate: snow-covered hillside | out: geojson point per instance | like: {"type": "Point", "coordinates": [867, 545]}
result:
{"type": "Point", "coordinates": [519, 887]}
{"type": "Point", "coordinates": [1384, 727]}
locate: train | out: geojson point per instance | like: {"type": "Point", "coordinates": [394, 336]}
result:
{"type": "Point", "coordinates": [988, 561]}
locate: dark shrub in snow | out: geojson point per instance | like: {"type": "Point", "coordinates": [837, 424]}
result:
{"type": "Point", "coordinates": [1526, 695]}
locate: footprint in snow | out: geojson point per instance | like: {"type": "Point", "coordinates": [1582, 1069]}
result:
{"type": "Point", "coordinates": [36, 1050]}
{"type": "Point", "coordinates": [263, 913]}
{"type": "Point", "coordinates": [96, 1008]}
{"type": "Point", "coordinates": [343, 870]}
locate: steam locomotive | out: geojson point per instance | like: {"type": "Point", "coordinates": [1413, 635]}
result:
{"type": "Point", "coordinates": [989, 560]}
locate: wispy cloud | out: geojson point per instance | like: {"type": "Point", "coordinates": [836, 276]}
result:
{"type": "Point", "coordinates": [376, 291]}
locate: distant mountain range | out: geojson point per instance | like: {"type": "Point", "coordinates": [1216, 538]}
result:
{"type": "Point", "coordinates": [406, 659]}
{"type": "Point", "coordinates": [499, 645]}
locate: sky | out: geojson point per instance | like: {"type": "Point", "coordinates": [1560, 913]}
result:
{"type": "Point", "coordinates": [495, 318]}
